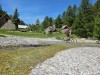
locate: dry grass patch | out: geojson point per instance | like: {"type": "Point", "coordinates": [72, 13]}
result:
{"type": "Point", "coordinates": [20, 62]}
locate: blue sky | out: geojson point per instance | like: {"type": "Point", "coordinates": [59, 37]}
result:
{"type": "Point", "coordinates": [30, 10]}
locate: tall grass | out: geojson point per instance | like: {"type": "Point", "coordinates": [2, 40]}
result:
{"type": "Point", "coordinates": [21, 61]}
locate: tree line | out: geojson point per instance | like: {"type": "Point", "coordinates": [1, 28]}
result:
{"type": "Point", "coordinates": [83, 20]}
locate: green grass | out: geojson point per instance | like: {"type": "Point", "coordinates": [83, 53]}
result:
{"type": "Point", "coordinates": [18, 33]}
{"type": "Point", "coordinates": [21, 61]}
{"type": "Point", "coordinates": [30, 34]}
{"type": "Point", "coordinates": [2, 35]}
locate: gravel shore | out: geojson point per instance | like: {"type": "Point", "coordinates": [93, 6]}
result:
{"type": "Point", "coordinates": [74, 61]}
{"type": "Point", "coordinates": [15, 41]}
{"type": "Point", "coordinates": [18, 41]}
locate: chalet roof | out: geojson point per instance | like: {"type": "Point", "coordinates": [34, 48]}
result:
{"type": "Point", "coordinates": [4, 16]}
{"type": "Point", "coordinates": [65, 26]}
{"type": "Point", "coordinates": [22, 26]}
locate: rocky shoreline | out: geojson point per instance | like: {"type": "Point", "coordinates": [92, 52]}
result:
{"type": "Point", "coordinates": [74, 61]}
{"type": "Point", "coordinates": [15, 41]}
{"type": "Point", "coordinates": [6, 42]}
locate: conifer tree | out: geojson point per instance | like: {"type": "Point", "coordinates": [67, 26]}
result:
{"type": "Point", "coordinates": [84, 20]}
{"type": "Point", "coordinates": [1, 11]}
{"type": "Point", "coordinates": [75, 12]}
{"type": "Point", "coordinates": [58, 21]}
{"type": "Point", "coordinates": [45, 23]}
{"type": "Point", "coordinates": [37, 22]}
{"type": "Point", "coordinates": [97, 19]}
{"type": "Point", "coordinates": [15, 18]}
{"type": "Point", "coordinates": [51, 21]}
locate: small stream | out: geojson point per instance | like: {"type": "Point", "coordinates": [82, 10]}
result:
{"type": "Point", "coordinates": [44, 44]}
{"type": "Point", "coordinates": [22, 47]}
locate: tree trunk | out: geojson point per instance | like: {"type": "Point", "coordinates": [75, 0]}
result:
{"type": "Point", "coordinates": [16, 26]}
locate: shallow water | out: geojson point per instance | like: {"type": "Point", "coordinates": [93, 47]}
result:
{"type": "Point", "coordinates": [51, 43]}
{"type": "Point", "coordinates": [22, 47]}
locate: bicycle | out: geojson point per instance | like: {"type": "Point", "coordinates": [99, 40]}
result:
{"type": "Point", "coordinates": [73, 40]}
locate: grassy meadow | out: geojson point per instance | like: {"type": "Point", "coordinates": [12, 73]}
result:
{"type": "Point", "coordinates": [30, 34]}
{"type": "Point", "coordinates": [21, 61]}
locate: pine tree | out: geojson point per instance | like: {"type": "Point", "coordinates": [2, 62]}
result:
{"type": "Point", "coordinates": [51, 22]}
{"type": "Point", "coordinates": [85, 20]}
{"type": "Point", "coordinates": [0, 7]}
{"type": "Point", "coordinates": [45, 23]}
{"type": "Point", "coordinates": [15, 18]}
{"type": "Point", "coordinates": [69, 15]}
{"type": "Point", "coordinates": [37, 22]}
{"type": "Point", "coordinates": [21, 22]}
{"type": "Point", "coordinates": [74, 12]}
{"type": "Point", "coordinates": [97, 19]}
{"type": "Point", "coordinates": [97, 6]}
{"type": "Point", "coordinates": [1, 11]}
{"type": "Point", "coordinates": [78, 25]}
{"type": "Point", "coordinates": [89, 18]}
{"type": "Point", "coordinates": [58, 21]}
{"type": "Point", "coordinates": [97, 27]}
{"type": "Point", "coordinates": [85, 5]}
{"type": "Point", "coordinates": [64, 18]}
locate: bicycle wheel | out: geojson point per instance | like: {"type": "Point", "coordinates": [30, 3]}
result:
{"type": "Point", "coordinates": [73, 40]}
